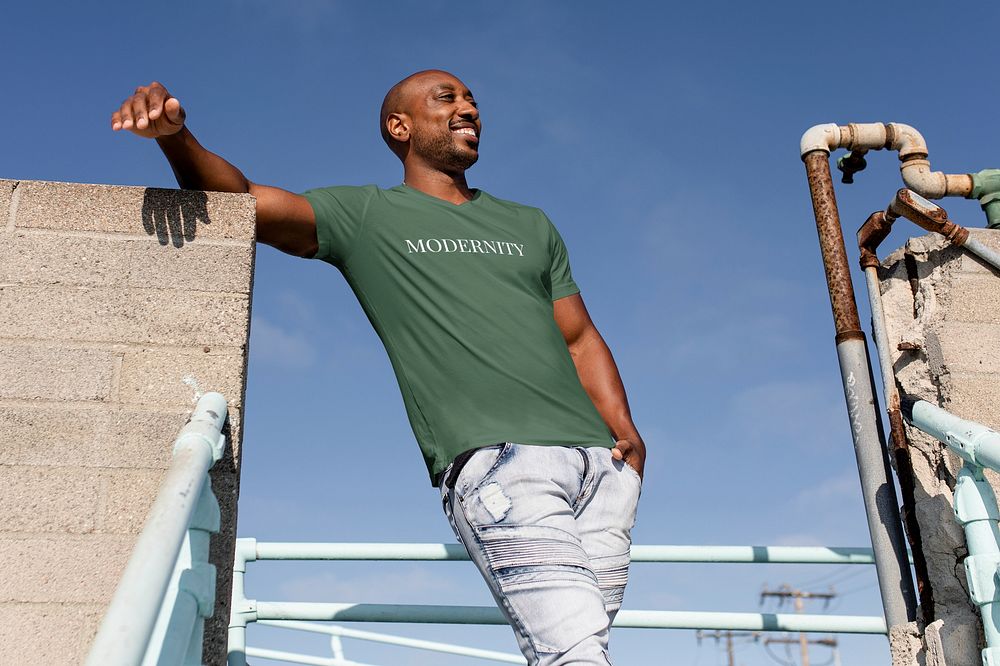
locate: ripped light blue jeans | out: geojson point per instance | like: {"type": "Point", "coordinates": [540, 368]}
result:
{"type": "Point", "coordinates": [549, 529]}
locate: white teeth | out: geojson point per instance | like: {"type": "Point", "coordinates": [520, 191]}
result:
{"type": "Point", "coordinates": [465, 130]}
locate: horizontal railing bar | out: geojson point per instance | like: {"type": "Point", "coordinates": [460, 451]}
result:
{"type": "Point", "coordinates": [429, 614]}
{"type": "Point", "coordinates": [403, 641]}
{"type": "Point", "coordinates": [456, 552]}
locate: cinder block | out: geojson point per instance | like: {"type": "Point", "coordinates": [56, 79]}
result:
{"type": "Point", "coordinates": [50, 259]}
{"type": "Point", "coordinates": [172, 217]}
{"type": "Point", "coordinates": [974, 397]}
{"type": "Point", "coordinates": [123, 315]}
{"type": "Point", "coordinates": [172, 377]}
{"type": "Point", "coordinates": [47, 499]}
{"type": "Point", "coordinates": [970, 263]}
{"type": "Point", "coordinates": [196, 267]}
{"type": "Point", "coordinates": [83, 437]}
{"type": "Point", "coordinates": [54, 373]}
{"type": "Point", "coordinates": [188, 318]}
{"type": "Point", "coordinates": [75, 569]}
{"type": "Point", "coordinates": [130, 494]}
{"type": "Point", "coordinates": [975, 298]}
{"type": "Point", "coordinates": [968, 348]}
{"type": "Point", "coordinates": [86, 437]}
{"type": "Point", "coordinates": [61, 313]}
{"type": "Point", "coordinates": [44, 634]}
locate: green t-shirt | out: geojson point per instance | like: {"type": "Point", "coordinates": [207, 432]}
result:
{"type": "Point", "coordinates": [461, 297]}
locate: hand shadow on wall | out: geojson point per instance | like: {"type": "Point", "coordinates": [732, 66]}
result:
{"type": "Point", "coordinates": [173, 215]}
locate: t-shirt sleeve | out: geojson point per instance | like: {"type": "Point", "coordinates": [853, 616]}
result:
{"type": "Point", "coordinates": [560, 275]}
{"type": "Point", "coordinates": [340, 216]}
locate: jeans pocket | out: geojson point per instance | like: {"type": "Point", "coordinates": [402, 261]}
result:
{"type": "Point", "coordinates": [634, 473]}
{"type": "Point", "coordinates": [479, 469]}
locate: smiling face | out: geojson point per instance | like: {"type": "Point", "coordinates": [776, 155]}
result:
{"type": "Point", "coordinates": [432, 117]}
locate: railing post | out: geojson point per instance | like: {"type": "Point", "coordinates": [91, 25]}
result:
{"type": "Point", "coordinates": [976, 511]}
{"type": "Point", "coordinates": [243, 609]}
{"type": "Point", "coordinates": [975, 507]}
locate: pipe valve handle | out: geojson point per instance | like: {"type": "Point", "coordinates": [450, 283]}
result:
{"type": "Point", "coordinates": [850, 164]}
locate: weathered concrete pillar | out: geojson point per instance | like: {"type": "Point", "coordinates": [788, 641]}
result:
{"type": "Point", "coordinates": [942, 307]}
{"type": "Point", "coordinates": [117, 306]}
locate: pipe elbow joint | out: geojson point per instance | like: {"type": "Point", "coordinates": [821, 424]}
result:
{"type": "Point", "coordinates": [918, 177]}
{"type": "Point", "coordinates": [986, 188]}
{"type": "Point", "coordinates": [906, 141]}
{"type": "Point", "coordinates": [820, 137]}
{"type": "Point", "coordinates": [871, 234]}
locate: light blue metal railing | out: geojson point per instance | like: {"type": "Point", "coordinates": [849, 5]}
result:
{"type": "Point", "coordinates": [158, 611]}
{"type": "Point", "coordinates": [339, 659]}
{"type": "Point", "coordinates": [246, 611]}
{"type": "Point", "coordinates": [975, 508]}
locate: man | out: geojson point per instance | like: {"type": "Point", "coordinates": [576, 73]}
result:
{"type": "Point", "coordinates": [513, 396]}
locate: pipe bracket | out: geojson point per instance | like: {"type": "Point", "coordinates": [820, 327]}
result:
{"type": "Point", "coordinates": [971, 503]}
{"type": "Point", "coordinates": [199, 582]}
{"type": "Point", "coordinates": [981, 573]}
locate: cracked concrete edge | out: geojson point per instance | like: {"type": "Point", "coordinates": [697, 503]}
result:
{"type": "Point", "coordinates": [922, 284]}
{"type": "Point", "coordinates": [905, 644]}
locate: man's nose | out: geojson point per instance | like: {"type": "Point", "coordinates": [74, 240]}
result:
{"type": "Point", "coordinates": [468, 110]}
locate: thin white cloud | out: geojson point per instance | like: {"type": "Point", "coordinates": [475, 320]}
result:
{"type": "Point", "coordinates": [269, 343]}
{"type": "Point", "coordinates": [790, 415]}
{"type": "Point", "coordinates": [833, 490]}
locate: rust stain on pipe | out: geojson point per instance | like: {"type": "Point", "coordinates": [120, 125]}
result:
{"type": "Point", "coordinates": [904, 472]}
{"type": "Point", "coordinates": [871, 234]}
{"type": "Point", "coordinates": [928, 216]}
{"type": "Point", "coordinates": [831, 242]}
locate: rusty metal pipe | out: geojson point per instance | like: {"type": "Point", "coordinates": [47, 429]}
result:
{"type": "Point", "coordinates": [831, 244]}
{"type": "Point", "coordinates": [878, 492]}
{"type": "Point", "coordinates": [870, 236]}
{"type": "Point", "coordinates": [931, 217]}
{"type": "Point", "coordinates": [927, 215]}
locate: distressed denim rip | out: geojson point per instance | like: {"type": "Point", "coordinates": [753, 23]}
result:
{"type": "Point", "coordinates": [549, 529]}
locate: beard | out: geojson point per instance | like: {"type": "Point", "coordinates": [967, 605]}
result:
{"type": "Point", "coordinates": [443, 150]}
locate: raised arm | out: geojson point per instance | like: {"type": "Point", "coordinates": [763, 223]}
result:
{"type": "Point", "coordinates": [284, 220]}
{"type": "Point", "coordinates": [599, 376]}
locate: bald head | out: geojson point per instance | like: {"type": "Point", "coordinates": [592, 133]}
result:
{"type": "Point", "coordinates": [402, 96]}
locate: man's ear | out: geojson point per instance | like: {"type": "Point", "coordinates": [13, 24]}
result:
{"type": "Point", "coordinates": [398, 125]}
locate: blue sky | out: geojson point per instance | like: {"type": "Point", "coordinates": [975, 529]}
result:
{"type": "Point", "coordinates": [661, 138]}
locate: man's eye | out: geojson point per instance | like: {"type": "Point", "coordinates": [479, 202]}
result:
{"type": "Point", "coordinates": [448, 97]}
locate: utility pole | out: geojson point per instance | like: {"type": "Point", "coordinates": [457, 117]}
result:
{"type": "Point", "coordinates": [828, 642]}
{"type": "Point", "coordinates": [786, 592]}
{"type": "Point", "coordinates": [729, 636]}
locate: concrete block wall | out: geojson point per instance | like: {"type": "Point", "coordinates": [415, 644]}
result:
{"type": "Point", "coordinates": [943, 318]}
{"type": "Point", "coordinates": [118, 305]}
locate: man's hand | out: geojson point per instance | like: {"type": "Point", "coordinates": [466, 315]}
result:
{"type": "Point", "coordinates": [632, 451]}
{"type": "Point", "coordinates": [151, 112]}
